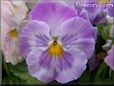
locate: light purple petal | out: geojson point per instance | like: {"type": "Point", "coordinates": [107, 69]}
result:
{"type": "Point", "coordinates": [52, 13]}
{"type": "Point", "coordinates": [110, 58]}
{"type": "Point", "coordinates": [45, 59]}
{"type": "Point", "coordinates": [110, 8]}
{"type": "Point", "coordinates": [37, 66]}
{"type": "Point", "coordinates": [63, 69]}
{"type": "Point", "coordinates": [43, 74]}
{"type": "Point", "coordinates": [95, 11]}
{"type": "Point", "coordinates": [34, 35]}
{"type": "Point", "coordinates": [74, 72]}
{"type": "Point", "coordinates": [33, 56]}
{"type": "Point", "coordinates": [78, 33]}
{"type": "Point", "coordinates": [77, 26]}
{"type": "Point", "coordinates": [63, 62]}
{"type": "Point", "coordinates": [47, 68]}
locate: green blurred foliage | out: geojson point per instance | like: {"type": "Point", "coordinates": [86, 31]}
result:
{"type": "Point", "coordinates": [104, 31]}
{"type": "Point", "coordinates": [18, 74]}
{"type": "Point", "coordinates": [103, 75]}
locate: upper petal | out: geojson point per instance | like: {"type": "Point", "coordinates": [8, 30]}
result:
{"type": "Point", "coordinates": [52, 13]}
{"type": "Point", "coordinates": [6, 15]}
{"type": "Point", "coordinates": [19, 10]}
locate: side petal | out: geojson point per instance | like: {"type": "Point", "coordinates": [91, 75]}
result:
{"type": "Point", "coordinates": [77, 26]}
{"type": "Point", "coordinates": [34, 35]}
{"type": "Point", "coordinates": [78, 33]}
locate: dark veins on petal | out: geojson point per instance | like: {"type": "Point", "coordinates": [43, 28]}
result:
{"type": "Point", "coordinates": [63, 62]}
{"type": "Point", "coordinates": [42, 39]}
{"type": "Point", "coordinates": [69, 39]}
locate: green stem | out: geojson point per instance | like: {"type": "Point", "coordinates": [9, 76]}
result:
{"type": "Point", "coordinates": [110, 73]}
{"type": "Point", "coordinates": [6, 68]}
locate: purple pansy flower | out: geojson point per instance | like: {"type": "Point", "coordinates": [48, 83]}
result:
{"type": "Point", "coordinates": [56, 43]}
{"type": "Point", "coordinates": [110, 58]}
{"type": "Point", "coordinates": [94, 9]}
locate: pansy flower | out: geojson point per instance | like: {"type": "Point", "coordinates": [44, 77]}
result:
{"type": "Point", "coordinates": [12, 14]}
{"type": "Point", "coordinates": [56, 43]}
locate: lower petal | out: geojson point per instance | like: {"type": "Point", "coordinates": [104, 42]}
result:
{"type": "Point", "coordinates": [42, 74]}
{"type": "Point", "coordinates": [42, 66]}
{"type": "Point", "coordinates": [78, 67]}
{"type": "Point", "coordinates": [11, 51]}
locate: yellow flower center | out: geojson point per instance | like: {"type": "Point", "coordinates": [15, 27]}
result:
{"type": "Point", "coordinates": [13, 33]}
{"type": "Point", "coordinates": [55, 48]}
{"type": "Point", "coordinates": [103, 1]}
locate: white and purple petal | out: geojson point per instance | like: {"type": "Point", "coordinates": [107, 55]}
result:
{"type": "Point", "coordinates": [109, 60]}
{"type": "Point", "coordinates": [53, 13]}
{"type": "Point", "coordinates": [78, 65]}
{"type": "Point", "coordinates": [34, 35]}
{"type": "Point", "coordinates": [93, 8]}
{"type": "Point", "coordinates": [110, 8]}
{"type": "Point", "coordinates": [78, 33]}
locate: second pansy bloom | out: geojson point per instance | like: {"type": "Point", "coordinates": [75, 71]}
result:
{"type": "Point", "coordinates": [13, 13]}
{"type": "Point", "coordinates": [56, 42]}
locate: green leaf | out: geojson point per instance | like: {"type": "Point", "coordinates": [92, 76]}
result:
{"type": "Point", "coordinates": [11, 81]}
{"type": "Point", "coordinates": [85, 77]}
{"type": "Point", "coordinates": [20, 70]}
{"type": "Point", "coordinates": [104, 30]}
{"type": "Point", "coordinates": [102, 75]}
{"type": "Point", "coordinates": [0, 67]}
